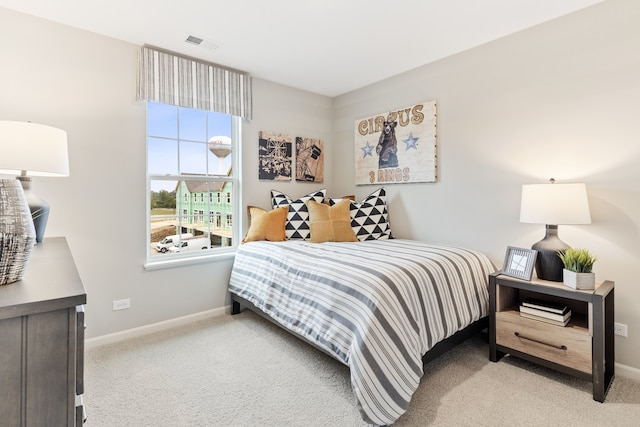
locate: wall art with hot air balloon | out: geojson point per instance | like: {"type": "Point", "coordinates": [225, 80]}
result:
{"type": "Point", "coordinates": [309, 160]}
{"type": "Point", "coordinates": [275, 153]}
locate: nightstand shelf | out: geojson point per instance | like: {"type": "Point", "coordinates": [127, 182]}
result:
{"type": "Point", "coordinates": [579, 322]}
{"type": "Point", "coordinates": [583, 348]}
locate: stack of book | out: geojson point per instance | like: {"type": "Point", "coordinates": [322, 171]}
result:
{"type": "Point", "coordinates": [545, 311]}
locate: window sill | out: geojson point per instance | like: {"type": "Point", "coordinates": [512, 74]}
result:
{"type": "Point", "coordinates": [181, 262]}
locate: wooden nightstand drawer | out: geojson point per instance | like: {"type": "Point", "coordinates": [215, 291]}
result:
{"type": "Point", "coordinates": [568, 346]}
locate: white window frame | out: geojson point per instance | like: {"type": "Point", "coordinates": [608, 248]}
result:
{"type": "Point", "coordinates": [193, 257]}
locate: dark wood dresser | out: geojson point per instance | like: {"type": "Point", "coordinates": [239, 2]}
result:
{"type": "Point", "coordinates": [42, 341]}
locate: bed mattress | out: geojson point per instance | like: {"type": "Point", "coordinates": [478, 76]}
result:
{"type": "Point", "coordinates": [377, 306]}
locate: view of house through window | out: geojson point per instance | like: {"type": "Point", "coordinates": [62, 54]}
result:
{"type": "Point", "coordinates": [190, 180]}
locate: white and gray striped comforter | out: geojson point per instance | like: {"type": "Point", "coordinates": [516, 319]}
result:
{"type": "Point", "coordinates": [377, 306]}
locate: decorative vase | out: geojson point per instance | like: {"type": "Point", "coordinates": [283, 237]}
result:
{"type": "Point", "coordinates": [584, 281]}
{"type": "Point", "coordinates": [17, 233]}
{"type": "Point", "coordinates": [38, 207]}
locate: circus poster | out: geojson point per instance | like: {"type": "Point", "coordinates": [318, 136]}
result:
{"type": "Point", "coordinates": [309, 160]}
{"type": "Point", "coordinates": [275, 153]}
{"type": "Point", "coordinates": [397, 147]}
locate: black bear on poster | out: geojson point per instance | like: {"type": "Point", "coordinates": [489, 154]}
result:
{"type": "Point", "coordinates": [387, 145]}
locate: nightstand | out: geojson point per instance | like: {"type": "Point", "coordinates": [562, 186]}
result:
{"type": "Point", "coordinates": [584, 348]}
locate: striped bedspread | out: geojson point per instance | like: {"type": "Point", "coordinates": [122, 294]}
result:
{"type": "Point", "coordinates": [378, 306]}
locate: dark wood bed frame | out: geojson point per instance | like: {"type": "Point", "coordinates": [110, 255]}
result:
{"type": "Point", "coordinates": [440, 348]}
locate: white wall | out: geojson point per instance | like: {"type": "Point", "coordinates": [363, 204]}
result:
{"type": "Point", "coordinates": [85, 84]}
{"type": "Point", "coordinates": [558, 100]}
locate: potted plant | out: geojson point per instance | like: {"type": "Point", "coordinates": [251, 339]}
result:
{"type": "Point", "coordinates": [577, 272]}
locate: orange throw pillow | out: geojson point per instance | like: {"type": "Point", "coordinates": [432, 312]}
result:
{"type": "Point", "coordinates": [265, 225]}
{"type": "Point", "coordinates": [330, 223]}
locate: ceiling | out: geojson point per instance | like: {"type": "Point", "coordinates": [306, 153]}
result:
{"type": "Point", "coordinates": [328, 47]}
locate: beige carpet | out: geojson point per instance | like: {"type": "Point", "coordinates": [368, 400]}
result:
{"type": "Point", "coordinates": [243, 371]}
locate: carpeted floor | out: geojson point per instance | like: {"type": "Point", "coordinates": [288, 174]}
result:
{"type": "Point", "coordinates": [243, 371]}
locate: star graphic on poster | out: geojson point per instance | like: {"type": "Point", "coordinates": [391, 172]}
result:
{"type": "Point", "coordinates": [411, 142]}
{"type": "Point", "coordinates": [367, 150]}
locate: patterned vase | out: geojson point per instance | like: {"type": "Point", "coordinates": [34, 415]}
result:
{"type": "Point", "coordinates": [17, 234]}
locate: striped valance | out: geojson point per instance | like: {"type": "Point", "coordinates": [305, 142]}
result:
{"type": "Point", "coordinates": [178, 80]}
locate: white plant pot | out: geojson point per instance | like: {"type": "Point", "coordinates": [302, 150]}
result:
{"type": "Point", "coordinates": [586, 281]}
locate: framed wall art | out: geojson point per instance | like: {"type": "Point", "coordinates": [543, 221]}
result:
{"type": "Point", "coordinates": [397, 147]}
{"type": "Point", "coordinates": [309, 160]}
{"type": "Point", "coordinates": [274, 156]}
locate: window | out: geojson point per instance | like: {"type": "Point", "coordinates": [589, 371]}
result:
{"type": "Point", "coordinates": [191, 152]}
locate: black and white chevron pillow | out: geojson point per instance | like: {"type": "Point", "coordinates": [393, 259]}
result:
{"type": "Point", "coordinates": [370, 218]}
{"type": "Point", "coordinates": [297, 225]}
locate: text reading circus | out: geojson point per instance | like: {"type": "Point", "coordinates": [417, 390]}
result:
{"type": "Point", "coordinates": [398, 146]}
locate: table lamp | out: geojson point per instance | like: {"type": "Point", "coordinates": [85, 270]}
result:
{"type": "Point", "coordinates": [553, 204]}
{"type": "Point", "coordinates": [30, 149]}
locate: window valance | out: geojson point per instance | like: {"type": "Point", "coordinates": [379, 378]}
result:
{"type": "Point", "coordinates": [187, 82]}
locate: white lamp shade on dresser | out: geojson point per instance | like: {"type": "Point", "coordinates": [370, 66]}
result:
{"type": "Point", "coordinates": [39, 150]}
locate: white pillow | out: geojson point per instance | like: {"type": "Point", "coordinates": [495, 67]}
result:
{"type": "Point", "coordinates": [370, 218]}
{"type": "Point", "coordinates": [297, 226]}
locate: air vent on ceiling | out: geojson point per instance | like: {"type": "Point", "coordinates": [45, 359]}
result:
{"type": "Point", "coordinates": [202, 42]}
{"type": "Point", "coordinates": [194, 40]}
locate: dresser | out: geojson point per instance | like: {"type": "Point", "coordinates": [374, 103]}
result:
{"type": "Point", "coordinates": [42, 341]}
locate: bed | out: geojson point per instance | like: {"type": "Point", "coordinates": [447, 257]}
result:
{"type": "Point", "coordinates": [381, 307]}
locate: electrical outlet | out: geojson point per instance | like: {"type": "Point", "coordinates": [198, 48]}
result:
{"type": "Point", "coordinates": [620, 329]}
{"type": "Point", "coordinates": [121, 304]}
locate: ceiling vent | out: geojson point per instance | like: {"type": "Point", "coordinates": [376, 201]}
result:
{"type": "Point", "coordinates": [201, 42]}
{"type": "Point", "coordinates": [194, 40]}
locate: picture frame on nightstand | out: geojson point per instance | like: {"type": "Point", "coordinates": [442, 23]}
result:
{"type": "Point", "coordinates": [519, 262]}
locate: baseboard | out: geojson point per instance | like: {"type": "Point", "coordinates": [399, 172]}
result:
{"type": "Point", "coordinates": [154, 327]}
{"type": "Point", "coordinates": [627, 372]}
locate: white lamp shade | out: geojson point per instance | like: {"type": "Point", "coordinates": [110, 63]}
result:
{"type": "Point", "coordinates": [39, 150]}
{"type": "Point", "coordinates": [555, 204]}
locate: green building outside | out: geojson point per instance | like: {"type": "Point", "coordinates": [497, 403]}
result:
{"type": "Point", "coordinates": [206, 209]}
